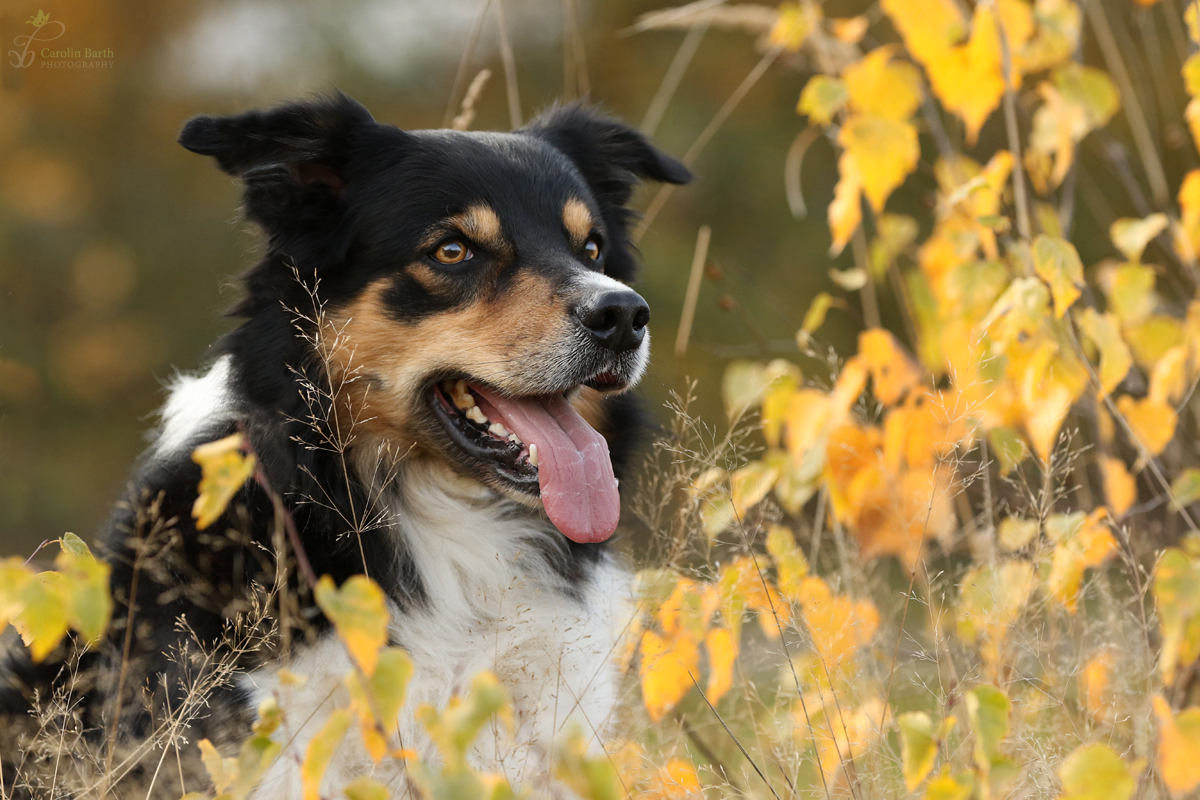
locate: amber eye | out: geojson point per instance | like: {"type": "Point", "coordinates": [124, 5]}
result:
{"type": "Point", "coordinates": [592, 248]}
{"type": "Point", "coordinates": [452, 252]}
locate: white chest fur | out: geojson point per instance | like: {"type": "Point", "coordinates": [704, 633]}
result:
{"type": "Point", "coordinates": [493, 604]}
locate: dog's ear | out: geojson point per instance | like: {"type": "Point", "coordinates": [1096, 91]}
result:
{"type": "Point", "coordinates": [611, 155]}
{"type": "Point", "coordinates": [308, 141]}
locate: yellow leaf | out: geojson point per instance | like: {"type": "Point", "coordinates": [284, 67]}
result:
{"type": "Point", "coordinates": [44, 616]}
{"type": "Point", "coordinates": [946, 787]}
{"type": "Point", "coordinates": [749, 485]}
{"type": "Point", "coordinates": [320, 751]}
{"type": "Point", "coordinates": [221, 771]}
{"type": "Point", "coordinates": [1132, 235]}
{"type": "Point", "coordinates": [1152, 339]}
{"type": "Point", "coordinates": [845, 212]}
{"type": "Point", "coordinates": [1178, 747]}
{"type": "Point", "coordinates": [918, 749]}
{"type": "Point", "coordinates": [895, 233]}
{"type": "Point", "coordinates": [1058, 264]}
{"type": "Point", "coordinates": [1193, 24]}
{"type": "Point", "coordinates": [880, 87]}
{"type": "Point", "coordinates": [665, 669]}
{"type": "Point", "coordinates": [224, 470]}
{"type": "Point", "coordinates": [1131, 293]}
{"type": "Point", "coordinates": [1096, 772]}
{"type": "Point", "coordinates": [884, 151]}
{"type": "Point", "coordinates": [893, 371]}
{"type": "Point", "coordinates": [814, 318]}
{"type": "Point", "coordinates": [14, 577]}
{"type": "Point", "coordinates": [377, 704]}
{"type": "Point", "coordinates": [1191, 79]}
{"type": "Point", "coordinates": [790, 565]}
{"type": "Point", "coordinates": [454, 728]}
{"type": "Point", "coordinates": [1120, 488]}
{"type": "Point", "coordinates": [1015, 533]}
{"type": "Point", "coordinates": [1168, 381]}
{"type": "Point", "coordinates": [851, 279]}
{"type": "Point", "coordinates": [1152, 422]}
{"type": "Point", "coordinates": [722, 652]}
{"type": "Point", "coordinates": [1115, 359]}
{"type": "Point", "coordinates": [795, 22]}
{"type": "Point", "coordinates": [1089, 546]}
{"type": "Point", "coordinates": [822, 98]}
{"type": "Point", "coordinates": [359, 612]}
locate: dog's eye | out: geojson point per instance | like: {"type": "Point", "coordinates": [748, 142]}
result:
{"type": "Point", "coordinates": [591, 248]}
{"type": "Point", "coordinates": [452, 252]}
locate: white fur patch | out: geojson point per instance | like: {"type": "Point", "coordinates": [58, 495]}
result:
{"type": "Point", "coordinates": [494, 604]}
{"type": "Point", "coordinates": [196, 403]}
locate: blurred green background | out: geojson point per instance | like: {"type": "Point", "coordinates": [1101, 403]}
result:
{"type": "Point", "coordinates": [119, 250]}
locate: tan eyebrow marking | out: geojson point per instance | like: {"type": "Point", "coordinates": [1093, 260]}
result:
{"type": "Point", "coordinates": [480, 223]}
{"type": "Point", "coordinates": [577, 218]}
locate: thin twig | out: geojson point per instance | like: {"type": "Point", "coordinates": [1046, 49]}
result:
{"type": "Point", "coordinates": [468, 52]}
{"type": "Point", "coordinates": [693, 291]}
{"type": "Point", "coordinates": [1010, 124]}
{"type": "Point", "coordinates": [674, 76]}
{"type": "Point", "coordinates": [1132, 106]}
{"type": "Point", "coordinates": [510, 67]}
{"type": "Point", "coordinates": [733, 737]}
{"type": "Point", "coordinates": [723, 114]}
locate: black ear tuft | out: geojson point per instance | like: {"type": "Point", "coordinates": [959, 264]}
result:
{"type": "Point", "coordinates": [314, 132]}
{"type": "Point", "coordinates": [610, 154]}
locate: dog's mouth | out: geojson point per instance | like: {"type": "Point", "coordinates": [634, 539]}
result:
{"type": "Point", "coordinates": [539, 447]}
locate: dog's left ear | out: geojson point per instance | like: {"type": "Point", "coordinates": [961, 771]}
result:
{"type": "Point", "coordinates": [308, 139]}
{"type": "Point", "coordinates": [611, 155]}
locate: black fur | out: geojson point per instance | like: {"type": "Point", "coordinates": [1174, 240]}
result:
{"type": "Point", "coordinates": [346, 201]}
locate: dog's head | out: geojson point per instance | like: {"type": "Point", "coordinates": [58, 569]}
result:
{"type": "Point", "coordinates": [476, 282]}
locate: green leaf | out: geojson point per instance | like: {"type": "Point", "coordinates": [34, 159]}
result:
{"type": "Point", "coordinates": [1057, 263]}
{"type": "Point", "coordinates": [1008, 446]}
{"type": "Point", "coordinates": [987, 713]}
{"type": "Point", "coordinates": [814, 318]}
{"type": "Point", "coordinates": [1089, 88]}
{"type": "Point", "coordinates": [365, 788]}
{"type": "Point", "coordinates": [918, 748]}
{"type": "Point", "coordinates": [591, 778]}
{"type": "Point", "coordinates": [1096, 772]}
{"type": "Point", "coordinates": [896, 232]}
{"type": "Point", "coordinates": [822, 98]}
{"type": "Point", "coordinates": [1185, 489]}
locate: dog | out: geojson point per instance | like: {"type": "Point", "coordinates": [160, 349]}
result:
{"type": "Point", "coordinates": [433, 371]}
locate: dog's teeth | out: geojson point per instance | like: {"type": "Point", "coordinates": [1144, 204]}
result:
{"type": "Point", "coordinates": [475, 414]}
{"type": "Point", "coordinates": [533, 457]}
{"type": "Point", "coordinates": [512, 437]}
{"type": "Point", "coordinates": [496, 429]}
{"type": "Point", "coordinates": [461, 395]}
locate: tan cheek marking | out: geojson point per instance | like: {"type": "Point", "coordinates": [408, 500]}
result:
{"type": "Point", "coordinates": [577, 218]}
{"type": "Point", "coordinates": [380, 364]}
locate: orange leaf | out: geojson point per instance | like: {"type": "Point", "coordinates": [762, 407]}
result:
{"type": "Point", "coordinates": [838, 624]}
{"type": "Point", "coordinates": [845, 212]}
{"type": "Point", "coordinates": [1178, 747]}
{"type": "Point", "coordinates": [893, 371]}
{"type": "Point", "coordinates": [1153, 421]}
{"type": "Point", "coordinates": [1088, 546]}
{"type": "Point", "coordinates": [1095, 686]}
{"type": "Point", "coordinates": [1119, 486]}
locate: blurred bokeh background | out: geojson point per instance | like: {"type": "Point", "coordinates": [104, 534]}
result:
{"type": "Point", "coordinates": [119, 250]}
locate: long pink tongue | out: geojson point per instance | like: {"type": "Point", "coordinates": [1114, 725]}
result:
{"type": "Point", "coordinates": [575, 473]}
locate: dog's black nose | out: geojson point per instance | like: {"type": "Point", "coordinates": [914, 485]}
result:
{"type": "Point", "coordinates": [616, 319]}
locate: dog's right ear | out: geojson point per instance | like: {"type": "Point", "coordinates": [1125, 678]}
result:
{"type": "Point", "coordinates": [309, 139]}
